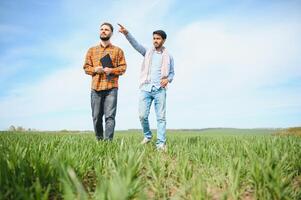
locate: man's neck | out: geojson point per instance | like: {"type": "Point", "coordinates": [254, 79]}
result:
{"type": "Point", "coordinates": [105, 43]}
{"type": "Point", "coordinates": [159, 49]}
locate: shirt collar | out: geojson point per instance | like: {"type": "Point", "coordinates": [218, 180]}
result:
{"type": "Point", "coordinates": [109, 45]}
{"type": "Point", "coordinates": [161, 51]}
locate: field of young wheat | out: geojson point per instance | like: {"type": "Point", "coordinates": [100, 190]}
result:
{"type": "Point", "coordinates": [195, 166]}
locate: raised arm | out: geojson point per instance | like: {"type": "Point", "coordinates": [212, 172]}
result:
{"type": "Point", "coordinates": [141, 49]}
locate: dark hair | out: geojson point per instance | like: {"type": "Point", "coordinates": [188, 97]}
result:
{"type": "Point", "coordinates": [108, 24]}
{"type": "Point", "coordinates": [161, 33]}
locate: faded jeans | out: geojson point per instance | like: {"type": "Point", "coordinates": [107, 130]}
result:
{"type": "Point", "coordinates": [145, 101]}
{"type": "Point", "coordinates": [104, 103]}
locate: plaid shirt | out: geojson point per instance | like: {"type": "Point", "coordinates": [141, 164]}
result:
{"type": "Point", "coordinates": [101, 81]}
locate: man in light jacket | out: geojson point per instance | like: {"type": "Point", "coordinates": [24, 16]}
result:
{"type": "Point", "coordinates": [157, 71]}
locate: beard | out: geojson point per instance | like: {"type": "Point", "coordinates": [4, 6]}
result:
{"type": "Point", "coordinates": [106, 38]}
{"type": "Point", "coordinates": [158, 45]}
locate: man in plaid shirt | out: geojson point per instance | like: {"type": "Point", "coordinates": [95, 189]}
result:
{"type": "Point", "coordinates": [104, 87]}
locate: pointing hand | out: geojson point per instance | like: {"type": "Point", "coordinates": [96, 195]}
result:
{"type": "Point", "coordinates": [122, 29]}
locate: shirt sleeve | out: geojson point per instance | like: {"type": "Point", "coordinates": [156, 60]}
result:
{"type": "Point", "coordinates": [171, 71]}
{"type": "Point", "coordinates": [121, 64]}
{"type": "Point", "coordinates": [88, 65]}
{"type": "Point", "coordinates": [141, 49]}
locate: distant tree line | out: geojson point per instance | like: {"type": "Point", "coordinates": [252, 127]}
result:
{"type": "Point", "coordinates": [13, 128]}
{"type": "Point", "coordinates": [20, 129]}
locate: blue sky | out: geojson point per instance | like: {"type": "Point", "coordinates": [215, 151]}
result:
{"type": "Point", "coordinates": [237, 63]}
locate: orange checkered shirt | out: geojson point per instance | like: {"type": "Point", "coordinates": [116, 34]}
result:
{"type": "Point", "coordinates": [101, 81]}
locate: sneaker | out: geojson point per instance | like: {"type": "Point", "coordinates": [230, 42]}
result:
{"type": "Point", "coordinates": [162, 147]}
{"type": "Point", "coordinates": [145, 141]}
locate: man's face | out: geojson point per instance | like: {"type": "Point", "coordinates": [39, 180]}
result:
{"type": "Point", "coordinates": [158, 41]}
{"type": "Point", "coordinates": [105, 33]}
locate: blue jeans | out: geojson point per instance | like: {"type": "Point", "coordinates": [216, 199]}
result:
{"type": "Point", "coordinates": [104, 103]}
{"type": "Point", "coordinates": [145, 101]}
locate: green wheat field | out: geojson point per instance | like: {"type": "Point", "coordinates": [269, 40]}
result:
{"type": "Point", "coordinates": [208, 164]}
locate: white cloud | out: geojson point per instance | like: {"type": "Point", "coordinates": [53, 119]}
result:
{"type": "Point", "coordinates": [54, 93]}
{"type": "Point", "coordinates": [222, 69]}
{"type": "Point", "coordinates": [238, 55]}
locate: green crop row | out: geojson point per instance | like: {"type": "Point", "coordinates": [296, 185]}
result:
{"type": "Point", "coordinates": [195, 166]}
